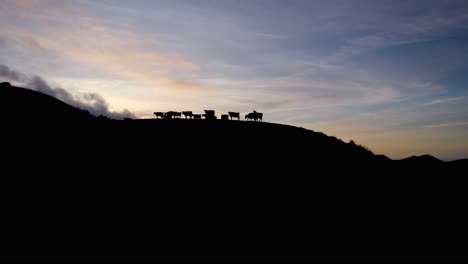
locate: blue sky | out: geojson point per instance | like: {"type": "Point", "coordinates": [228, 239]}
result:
{"type": "Point", "coordinates": [390, 75]}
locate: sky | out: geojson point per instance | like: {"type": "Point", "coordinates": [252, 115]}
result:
{"type": "Point", "coordinates": [389, 74]}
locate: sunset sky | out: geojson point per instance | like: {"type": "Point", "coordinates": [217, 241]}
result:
{"type": "Point", "coordinates": [390, 75]}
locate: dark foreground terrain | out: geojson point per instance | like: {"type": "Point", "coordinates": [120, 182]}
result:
{"type": "Point", "coordinates": [75, 187]}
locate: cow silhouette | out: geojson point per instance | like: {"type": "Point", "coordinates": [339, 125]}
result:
{"type": "Point", "coordinates": [187, 114]}
{"type": "Point", "coordinates": [209, 114]}
{"type": "Point", "coordinates": [172, 114]}
{"type": "Point", "coordinates": [255, 116]}
{"type": "Point", "coordinates": [159, 114]}
{"type": "Point", "coordinates": [234, 115]}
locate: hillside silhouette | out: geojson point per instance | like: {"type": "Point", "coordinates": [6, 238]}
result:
{"type": "Point", "coordinates": [25, 104]}
{"type": "Point", "coordinates": [91, 187]}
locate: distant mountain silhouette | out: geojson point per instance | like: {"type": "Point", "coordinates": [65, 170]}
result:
{"type": "Point", "coordinates": [86, 187]}
{"type": "Point", "coordinates": [423, 159]}
{"type": "Point", "coordinates": [460, 162]}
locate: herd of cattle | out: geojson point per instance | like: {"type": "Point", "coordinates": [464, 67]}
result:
{"type": "Point", "coordinates": [209, 114]}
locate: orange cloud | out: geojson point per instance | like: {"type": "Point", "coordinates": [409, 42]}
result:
{"type": "Point", "coordinates": [80, 38]}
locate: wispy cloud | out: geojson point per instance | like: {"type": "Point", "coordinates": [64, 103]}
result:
{"type": "Point", "coordinates": [92, 102]}
{"type": "Point", "coordinates": [13, 75]}
{"type": "Point", "coordinates": [448, 124]}
{"type": "Point", "coordinates": [84, 39]}
{"type": "Point", "coordinates": [135, 54]}
{"type": "Point", "coordinates": [446, 100]}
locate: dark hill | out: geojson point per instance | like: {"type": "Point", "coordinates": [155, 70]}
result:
{"type": "Point", "coordinates": [84, 187]}
{"type": "Point", "coordinates": [24, 104]}
{"type": "Point", "coordinates": [21, 104]}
